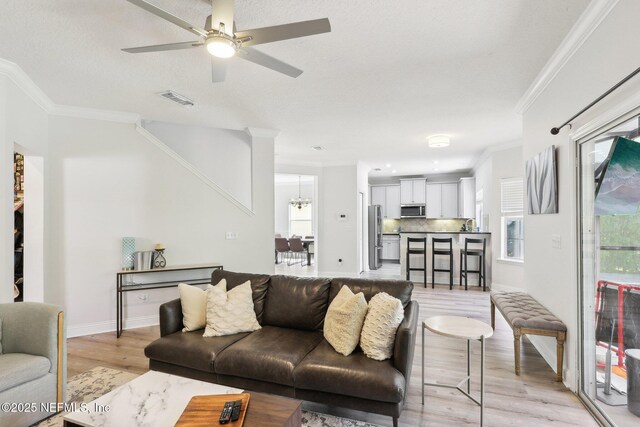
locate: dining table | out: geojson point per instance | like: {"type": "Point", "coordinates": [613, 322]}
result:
{"type": "Point", "coordinates": [306, 243]}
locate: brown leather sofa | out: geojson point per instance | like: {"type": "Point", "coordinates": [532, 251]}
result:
{"type": "Point", "coordinates": [289, 355]}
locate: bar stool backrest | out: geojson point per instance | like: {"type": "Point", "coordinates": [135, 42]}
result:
{"type": "Point", "coordinates": [422, 240]}
{"type": "Point", "coordinates": [440, 241]}
{"type": "Point", "coordinates": [470, 241]}
{"type": "Point", "coordinates": [282, 244]}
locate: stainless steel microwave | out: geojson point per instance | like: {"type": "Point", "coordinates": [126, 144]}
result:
{"type": "Point", "coordinates": [413, 211]}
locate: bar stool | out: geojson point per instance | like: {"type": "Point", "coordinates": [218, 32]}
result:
{"type": "Point", "coordinates": [417, 251]}
{"type": "Point", "coordinates": [474, 251]}
{"type": "Point", "coordinates": [445, 252]}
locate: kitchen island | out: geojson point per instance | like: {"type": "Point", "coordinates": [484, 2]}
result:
{"type": "Point", "coordinates": [458, 238]}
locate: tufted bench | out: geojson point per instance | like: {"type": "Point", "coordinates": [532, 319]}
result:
{"type": "Point", "coordinates": [525, 315]}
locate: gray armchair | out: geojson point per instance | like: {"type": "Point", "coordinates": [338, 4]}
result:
{"type": "Point", "coordinates": [33, 362]}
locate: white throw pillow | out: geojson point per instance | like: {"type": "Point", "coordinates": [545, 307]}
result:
{"type": "Point", "coordinates": [379, 330]}
{"type": "Point", "coordinates": [230, 312]}
{"type": "Point", "coordinates": [194, 307]}
{"type": "Point", "coordinates": [344, 319]}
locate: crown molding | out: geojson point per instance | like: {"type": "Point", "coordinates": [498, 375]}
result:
{"type": "Point", "coordinates": [95, 114]}
{"type": "Point", "coordinates": [587, 23]}
{"type": "Point", "coordinates": [24, 82]}
{"type": "Point", "coordinates": [262, 132]}
{"type": "Point", "coordinates": [18, 76]}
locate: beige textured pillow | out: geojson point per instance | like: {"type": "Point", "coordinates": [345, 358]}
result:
{"type": "Point", "coordinates": [230, 312]}
{"type": "Point", "coordinates": [379, 330]}
{"type": "Point", "coordinates": [194, 307]}
{"type": "Point", "coordinates": [344, 319]}
{"type": "Point", "coordinates": [0, 336]}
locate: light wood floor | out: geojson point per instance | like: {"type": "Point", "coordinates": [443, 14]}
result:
{"type": "Point", "coordinates": [532, 399]}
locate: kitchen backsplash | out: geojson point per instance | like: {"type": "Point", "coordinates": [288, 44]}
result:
{"type": "Point", "coordinates": [390, 225]}
{"type": "Point", "coordinates": [422, 224]}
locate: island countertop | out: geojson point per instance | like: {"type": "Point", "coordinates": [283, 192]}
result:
{"type": "Point", "coordinates": [445, 232]}
{"type": "Point", "coordinates": [458, 240]}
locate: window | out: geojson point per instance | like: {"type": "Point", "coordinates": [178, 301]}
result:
{"type": "Point", "coordinates": [301, 220]}
{"type": "Point", "coordinates": [512, 207]}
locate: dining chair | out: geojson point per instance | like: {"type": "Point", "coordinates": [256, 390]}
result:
{"type": "Point", "coordinates": [282, 248]}
{"type": "Point", "coordinates": [297, 249]}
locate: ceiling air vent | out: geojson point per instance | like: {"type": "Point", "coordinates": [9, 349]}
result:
{"type": "Point", "coordinates": [176, 97]}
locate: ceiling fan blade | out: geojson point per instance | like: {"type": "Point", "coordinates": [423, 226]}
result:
{"type": "Point", "coordinates": [169, 17]}
{"type": "Point", "coordinates": [284, 32]}
{"type": "Point", "coordinates": [222, 12]}
{"type": "Point", "coordinates": [218, 69]}
{"type": "Point", "coordinates": [265, 60]}
{"type": "Point", "coordinates": [163, 47]}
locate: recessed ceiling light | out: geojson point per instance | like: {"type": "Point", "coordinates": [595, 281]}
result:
{"type": "Point", "coordinates": [438, 141]}
{"type": "Point", "coordinates": [394, 171]}
{"type": "Point", "coordinates": [388, 165]}
{"type": "Point", "coordinates": [435, 162]}
{"type": "Point", "coordinates": [436, 169]}
{"type": "Point", "coordinates": [317, 148]}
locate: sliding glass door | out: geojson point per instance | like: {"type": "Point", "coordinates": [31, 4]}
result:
{"type": "Point", "coordinates": [610, 272]}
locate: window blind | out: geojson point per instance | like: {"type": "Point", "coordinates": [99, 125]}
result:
{"type": "Point", "coordinates": [511, 196]}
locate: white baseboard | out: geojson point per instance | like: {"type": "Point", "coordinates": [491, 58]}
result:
{"type": "Point", "coordinates": [110, 326]}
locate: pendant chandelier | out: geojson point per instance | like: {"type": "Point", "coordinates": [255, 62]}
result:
{"type": "Point", "coordinates": [299, 202]}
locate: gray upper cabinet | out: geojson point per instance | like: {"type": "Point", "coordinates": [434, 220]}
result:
{"type": "Point", "coordinates": [393, 201]}
{"type": "Point", "coordinates": [467, 198]}
{"type": "Point", "coordinates": [412, 191]}
{"type": "Point", "coordinates": [387, 196]}
{"type": "Point", "coordinates": [442, 200]}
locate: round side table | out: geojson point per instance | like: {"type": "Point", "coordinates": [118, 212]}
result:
{"type": "Point", "coordinates": [461, 328]}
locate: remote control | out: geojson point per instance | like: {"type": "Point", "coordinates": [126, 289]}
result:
{"type": "Point", "coordinates": [225, 415]}
{"type": "Point", "coordinates": [235, 413]}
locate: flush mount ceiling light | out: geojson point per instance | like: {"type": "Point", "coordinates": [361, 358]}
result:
{"type": "Point", "coordinates": [221, 46]}
{"type": "Point", "coordinates": [438, 141]}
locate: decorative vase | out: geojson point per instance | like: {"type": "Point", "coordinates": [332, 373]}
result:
{"type": "Point", "coordinates": [128, 248]}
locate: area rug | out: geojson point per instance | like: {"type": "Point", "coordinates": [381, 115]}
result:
{"type": "Point", "coordinates": [90, 385]}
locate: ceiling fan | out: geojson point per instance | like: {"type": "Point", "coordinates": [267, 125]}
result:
{"type": "Point", "coordinates": [221, 39]}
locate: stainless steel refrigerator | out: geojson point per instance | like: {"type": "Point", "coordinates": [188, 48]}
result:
{"type": "Point", "coordinates": [375, 237]}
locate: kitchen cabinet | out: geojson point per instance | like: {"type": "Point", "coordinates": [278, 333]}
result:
{"type": "Point", "coordinates": [387, 196]}
{"type": "Point", "coordinates": [467, 198]}
{"type": "Point", "coordinates": [391, 247]}
{"type": "Point", "coordinates": [412, 191]}
{"type": "Point", "coordinates": [442, 200]}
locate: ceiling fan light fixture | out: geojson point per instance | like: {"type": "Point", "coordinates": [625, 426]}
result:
{"type": "Point", "coordinates": [438, 141]}
{"type": "Point", "coordinates": [221, 47]}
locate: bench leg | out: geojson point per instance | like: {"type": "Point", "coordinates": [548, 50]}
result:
{"type": "Point", "coordinates": [560, 350]}
{"type": "Point", "coordinates": [493, 315]}
{"type": "Point", "coordinates": [516, 348]}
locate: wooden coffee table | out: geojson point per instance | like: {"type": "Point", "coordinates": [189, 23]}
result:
{"type": "Point", "coordinates": [159, 399]}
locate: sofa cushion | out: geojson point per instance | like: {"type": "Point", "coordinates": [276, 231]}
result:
{"type": "Point", "coordinates": [297, 302]}
{"type": "Point", "coordinates": [400, 289]}
{"type": "Point", "coordinates": [20, 368]}
{"type": "Point", "coordinates": [190, 349]}
{"type": "Point", "coordinates": [230, 312]}
{"type": "Point", "coordinates": [344, 320]}
{"type": "Point", "coordinates": [193, 301]}
{"type": "Point", "coordinates": [354, 375]}
{"type": "Point", "coordinates": [259, 284]}
{"type": "Point", "coordinates": [270, 354]}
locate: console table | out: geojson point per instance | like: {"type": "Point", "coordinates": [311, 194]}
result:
{"type": "Point", "coordinates": [123, 285]}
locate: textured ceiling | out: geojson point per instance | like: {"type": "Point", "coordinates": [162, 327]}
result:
{"type": "Point", "coordinates": [389, 74]}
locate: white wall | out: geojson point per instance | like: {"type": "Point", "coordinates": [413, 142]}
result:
{"type": "Point", "coordinates": [284, 192]}
{"type": "Point", "coordinates": [104, 179]}
{"type": "Point", "coordinates": [108, 182]}
{"type": "Point", "coordinates": [24, 122]}
{"type": "Point", "coordinates": [223, 155]}
{"type": "Point", "coordinates": [608, 55]}
{"type": "Point", "coordinates": [498, 164]}
{"type": "Point", "coordinates": [338, 239]}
